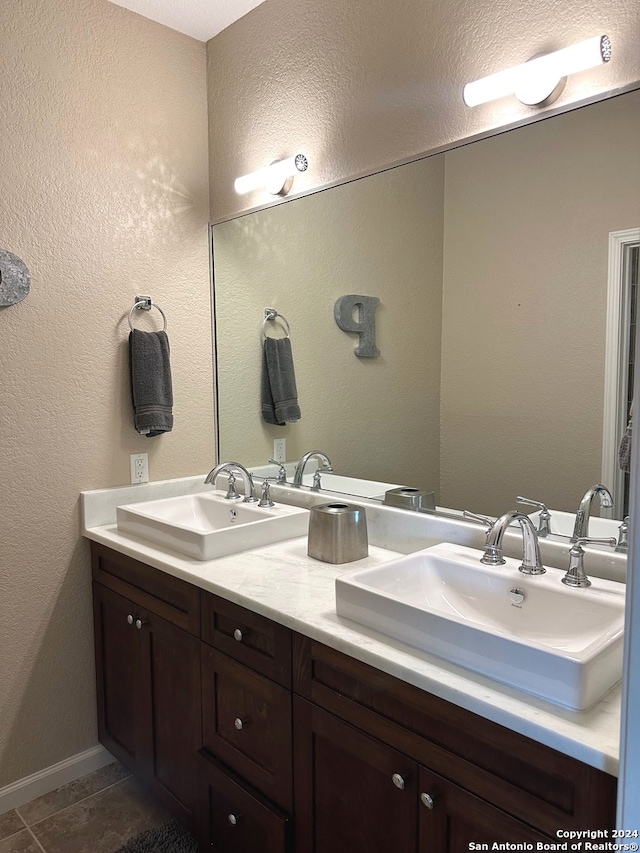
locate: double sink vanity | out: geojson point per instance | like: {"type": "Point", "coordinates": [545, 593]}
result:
{"type": "Point", "coordinates": [422, 697]}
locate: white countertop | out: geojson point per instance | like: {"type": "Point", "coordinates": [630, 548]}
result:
{"type": "Point", "coordinates": [283, 583]}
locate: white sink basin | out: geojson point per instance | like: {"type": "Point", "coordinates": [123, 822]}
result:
{"type": "Point", "coordinates": [206, 526]}
{"type": "Point", "coordinates": [350, 485]}
{"type": "Point", "coordinates": [561, 644]}
{"type": "Point", "coordinates": [562, 524]}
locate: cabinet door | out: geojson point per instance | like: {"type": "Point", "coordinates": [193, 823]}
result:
{"type": "Point", "coordinates": [352, 794]}
{"type": "Point", "coordinates": [148, 684]}
{"type": "Point", "coordinates": [117, 679]}
{"type": "Point", "coordinates": [171, 731]}
{"type": "Point", "coordinates": [451, 819]}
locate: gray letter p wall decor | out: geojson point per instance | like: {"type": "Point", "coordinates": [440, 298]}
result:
{"type": "Point", "coordinates": [364, 325]}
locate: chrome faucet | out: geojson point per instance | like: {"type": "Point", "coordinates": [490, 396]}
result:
{"type": "Point", "coordinates": [318, 454]}
{"type": "Point", "coordinates": [576, 576]}
{"type": "Point", "coordinates": [229, 468]}
{"type": "Point", "coordinates": [531, 562]}
{"type": "Point", "coordinates": [581, 527]}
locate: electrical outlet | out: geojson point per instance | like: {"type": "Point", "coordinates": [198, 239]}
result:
{"type": "Point", "coordinates": [280, 449]}
{"type": "Point", "coordinates": [139, 464]}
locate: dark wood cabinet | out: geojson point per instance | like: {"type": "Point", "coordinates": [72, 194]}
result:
{"type": "Point", "coordinates": [534, 784]}
{"type": "Point", "coordinates": [149, 702]}
{"type": "Point", "coordinates": [261, 739]}
{"type": "Point", "coordinates": [354, 793]}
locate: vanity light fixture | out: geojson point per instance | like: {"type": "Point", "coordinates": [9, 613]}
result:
{"type": "Point", "coordinates": [540, 80]}
{"type": "Point", "coordinates": [276, 178]}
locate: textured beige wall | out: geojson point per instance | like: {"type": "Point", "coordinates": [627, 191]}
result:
{"type": "Point", "coordinates": [361, 85]}
{"type": "Point", "coordinates": [376, 417]}
{"type": "Point", "coordinates": [103, 193]}
{"type": "Point", "coordinates": [523, 396]}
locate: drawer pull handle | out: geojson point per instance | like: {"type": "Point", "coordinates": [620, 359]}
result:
{"type": "Point", "coordinates": [398, 781]}
{"type": "Point", "coordinates": [237, 635]}
{"type": "Point", "coordinates": [426, 800]}
{"type": "Point", "coordinates": [238, 723]}
{"type": "Point", "coordinates": [130, 619]}
{"type": "Point", "coordinates": [233, 819]}
{"type": "Point", "coordinates": [139, 624]}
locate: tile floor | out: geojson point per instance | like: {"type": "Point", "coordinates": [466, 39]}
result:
{"type": "Point", "coordinates": [95, 814]}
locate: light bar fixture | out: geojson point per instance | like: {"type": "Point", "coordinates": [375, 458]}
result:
{"type": "Point", "coordinates": [539, 80]}
{"type": "Point", "coordinates": [276, 178]}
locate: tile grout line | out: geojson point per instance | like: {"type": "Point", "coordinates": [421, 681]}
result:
{"type": "Point", "coordinates": [13, 834]}
{"type": "Point", "coordinates": [71, 805]}
{"type": "Point", "coordinates": [28, 830]}
{"type": "Point", "coordinates": [33, 835]}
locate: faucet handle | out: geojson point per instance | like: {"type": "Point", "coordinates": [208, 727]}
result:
{"type": "Point", "coordinates": [544, 527]}
{"type": "Point", "coordinates": [266, 499]}
{"type": "Point", "coordinates": [576, 576]}
{"type": "Point", "coordinates": [589, 540]}
{"type": "Point", "coordinates": [282, 471]}
{"type": "Point", "coordinates": [481, 518]}
{"type": "Point", "coordinates": [232, 494]}
{"type": "Point", "coordinates": [623, 540]}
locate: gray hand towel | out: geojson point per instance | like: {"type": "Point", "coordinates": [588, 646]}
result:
{"type": "Point", "coordinates": [278, 388]}
{"type": "Point", "coordinates": [151, 388]}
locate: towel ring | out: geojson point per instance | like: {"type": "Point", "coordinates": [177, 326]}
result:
{"type": "Point", "coordinates": [145, 303]}
{"type": "Point", "coordinates": [272, 314]}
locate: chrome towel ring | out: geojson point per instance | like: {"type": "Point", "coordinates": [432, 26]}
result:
{"type": "Point", "coordinates": [145, 303]}
{"type": "Point", "coordinates": [270, 314]}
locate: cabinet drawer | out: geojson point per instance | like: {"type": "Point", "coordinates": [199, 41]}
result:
{"type": "Point", "coordinates": [236, 820]}
{"type": "Point", "coordinates": [526, 779]}
{"type": "Point", "coordinates": [248, 637]}
{"type": "Point", "coordinates": [171, 598]}
{"type": "Point", "coordinates": [246, 723]}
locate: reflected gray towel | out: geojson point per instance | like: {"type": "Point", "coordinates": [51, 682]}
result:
{"type": "Point", "coordinates": [278, 389]}
{"type": "Point", "coordinates": [151, 388]}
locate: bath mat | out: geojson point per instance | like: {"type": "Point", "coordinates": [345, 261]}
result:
{"type": "Point", "coordinates": [171, 837]}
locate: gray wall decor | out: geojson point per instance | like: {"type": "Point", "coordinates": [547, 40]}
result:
{"type": "Point", "coordinates": [364, 326]}
{"type": "Point", "coordinates": [15, 281]}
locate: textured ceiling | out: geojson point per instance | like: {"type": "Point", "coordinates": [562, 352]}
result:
{"type": "Point", "coordinates": [201, 19]}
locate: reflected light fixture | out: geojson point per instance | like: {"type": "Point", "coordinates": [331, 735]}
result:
{"type": "Point", "coordinates": [276, 178]}
{"type": "Point", "coordinates": [541, 79]}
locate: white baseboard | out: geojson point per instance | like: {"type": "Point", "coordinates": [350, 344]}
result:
{"type": "Point", "coordinates": [44, 781]}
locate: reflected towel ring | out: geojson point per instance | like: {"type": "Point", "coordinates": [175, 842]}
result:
{"type": "Point", "coordinates": [272, 314]}
{"type": "Point", "coordinates": [145, 303]}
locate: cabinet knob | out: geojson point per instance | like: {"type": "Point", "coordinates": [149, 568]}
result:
{"type": "Point", "coordinates": [238, 723]}
{"type": "Point", "coordinates": [237, 635]}
{"type": "Point", "coordinates": [426, 800]}
{"type": "Point", "coordinates": [139, 624]}
{"type": "Point", "coordinates": [398, 781]}
{"type": "Point", "coordinates": [233, 819]}
{"type": "Point", "coordinates": [130, 619]}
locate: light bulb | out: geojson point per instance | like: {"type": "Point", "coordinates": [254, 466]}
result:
{"type": "Point", "coordinates": [535, 81]}
{"type": "Point", "coordinates": [275, 178]}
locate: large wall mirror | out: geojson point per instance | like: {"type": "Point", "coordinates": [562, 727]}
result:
{"type": "Point", "coordinates": [491, 264]}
